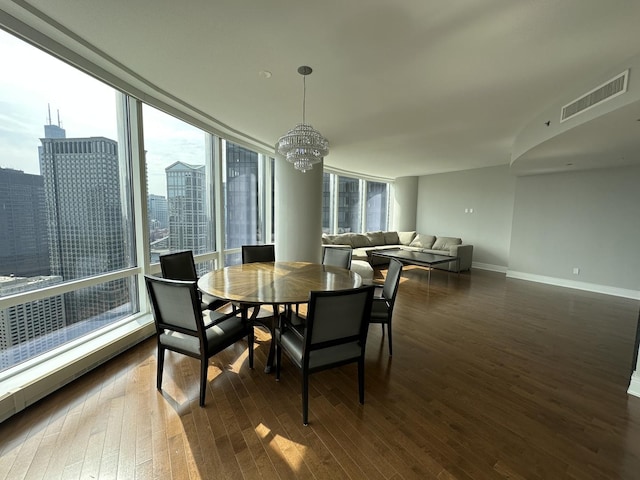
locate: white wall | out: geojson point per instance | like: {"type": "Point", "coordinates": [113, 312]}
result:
{"type": "Point", "coordinates": [443, 199]}
{"type": "Point", "coordinates": [588, 219]}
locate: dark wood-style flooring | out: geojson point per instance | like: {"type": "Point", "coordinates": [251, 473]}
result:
{"type": "Point", "coordinates": [491, 378]}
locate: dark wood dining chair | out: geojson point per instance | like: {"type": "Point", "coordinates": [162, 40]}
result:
{"type": "Point", "coordinates": [182, 266]}
{"type": "Point", "coordinates": [180, 326]}
{"type": "Point", "coordinates": [385, 299]}
{"type": "Point", "coordinates": [258, 253]}
{"type": "Point", "coordinates": [259, 316]}
{"type": "Point", "coordinates": [334, 334]}
{"type": "Point", "coordinates": [337, 256]}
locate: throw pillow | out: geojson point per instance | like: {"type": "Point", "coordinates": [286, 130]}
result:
{"type": "Point", "coordinates": [359, 240]}
{"type": "Point", "coordinates": [406, 237]}
{"type": "Point", "coordinates": [444, 243]}
{"type": "Point", "coordinates": [375, 238]}
{"type": "Point", "coordinates": [423, 241]}
{"type": "Point", "coordinates": [391, 238]}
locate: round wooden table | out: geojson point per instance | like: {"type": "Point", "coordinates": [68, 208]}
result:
{"type": "Point", "coordinates": [275, 283]}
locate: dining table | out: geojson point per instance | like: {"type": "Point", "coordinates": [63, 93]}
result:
{"type": "Point", "coordinates": [276, 284]}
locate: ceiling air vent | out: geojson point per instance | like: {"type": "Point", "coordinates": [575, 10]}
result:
{"type": "Point", "coordinates": [608, 90]}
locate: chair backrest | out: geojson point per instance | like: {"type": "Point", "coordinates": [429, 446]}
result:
{"type": "Point", "coordinates": [337, 317]}
{"type": "Point", "coordinates": [258, 253]}
{"type": "Point", "coordinates": [337, 257]}
{"type": "Point", "coordinates": [179, 266]}
{"type": "Point", "coordinates": [392, 281]}
{"type": "Point", "coordinates": [175, 305]}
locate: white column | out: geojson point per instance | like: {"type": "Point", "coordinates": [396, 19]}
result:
{"type": "Point", "coordinates": [298, 213]}
{"type": "Point", "coordinates": [405, 204]}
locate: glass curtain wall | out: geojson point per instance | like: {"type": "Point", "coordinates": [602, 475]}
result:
{"type": "Point", "coordinates": [377, 206]}
{"type": "Point", "coordinates": [351, 204]}
{"type": "Point", "coordinates": [67, 201]}
{"type": "Point", "coordinates": [66, 205]}
{"type": "Point", "coordinates": [180, 216]}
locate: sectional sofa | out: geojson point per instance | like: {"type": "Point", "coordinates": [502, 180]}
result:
{"type": "Point", "coordinates": [364, 243]}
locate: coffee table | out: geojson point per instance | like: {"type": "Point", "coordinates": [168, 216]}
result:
{"type": "Point", "coordinates": [409, 257]}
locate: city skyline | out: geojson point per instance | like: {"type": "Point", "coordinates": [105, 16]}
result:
{"type": "Point", "coordinates": [25, 105]}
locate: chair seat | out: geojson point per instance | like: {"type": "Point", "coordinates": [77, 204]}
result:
{"type": "Point", "coordinates": [379, 310]}
{"type": "Point", "coordinates": [294, 345]}
{"type": "Point", "coordinates": [216, 334]}
{"type": "Point", "coordinates": [209, 302]}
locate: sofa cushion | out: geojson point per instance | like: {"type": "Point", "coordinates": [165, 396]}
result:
{"type": "Point", "coordinates": [443, 243]}
{"type": "Point", "coordinates": [391, 238]}
{"type": "Point", "coordinates": [342, 239]}
{"type": "Point", "coordinates": [405, 238]}
{"type": "Point", "coordinates": [375, 238]}
{"type": "Point", "coordinates": [359, 240]}
{"type": "Point", "coordinates": [422, 241]}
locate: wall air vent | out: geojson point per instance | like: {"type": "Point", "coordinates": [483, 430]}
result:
{"type": "Point", "coordinates": [608, 90]}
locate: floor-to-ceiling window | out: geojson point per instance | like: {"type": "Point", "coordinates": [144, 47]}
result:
{"type": "Point", "coordinates": [179, 169]}
{"type": "Point", "coordinates": [376, 206]}
{"type": "Point", "coordinates": [65, 205]}
{"type": "Point", "coordinates": [352, 204]}
{"type": "Point", "coordinates": [71, 234]}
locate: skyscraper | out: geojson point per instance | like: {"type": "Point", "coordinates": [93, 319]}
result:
{"type": "Point", "coordinates": [186, 200]}
{"type": "Point", "coordinates": [24, 250]}
{"type": "Point", "coordinates": [84, 218]}
{"type": "Point", "coordinates": [241, 196]}
{"type": "Point", "coordinates": [157, 211]}
{"type": "Point", "coordinates": [27, 328]}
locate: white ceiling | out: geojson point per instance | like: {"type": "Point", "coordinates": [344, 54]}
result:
{"type": "Point", "coordinates": [399, 88]}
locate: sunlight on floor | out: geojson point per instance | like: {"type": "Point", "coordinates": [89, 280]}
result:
{"type": "Point", "coordinates": [292, 452]}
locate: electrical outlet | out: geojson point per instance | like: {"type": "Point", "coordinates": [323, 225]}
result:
{"type": "Point", "coordinates": [576, 271]}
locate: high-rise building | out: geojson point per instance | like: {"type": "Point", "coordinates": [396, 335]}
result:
{"type": "Point", "coordinates": [157, 212]}
{"type": "Point", "coordinates": [84, 218]}
{"type": "Point", "coordinates": [186, 201]}
{"type": "Point", "coordinates": [26, 329]}
{"type": "Point", "coordinates": [24, 250]}
{"type": "Point", "coordinates": [241, 194]}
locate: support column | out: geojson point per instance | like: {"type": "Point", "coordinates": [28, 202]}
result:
{"type": "Point", "coordinates": [298, 213]}
{"type": "Point", "coordinates": [405, 204]}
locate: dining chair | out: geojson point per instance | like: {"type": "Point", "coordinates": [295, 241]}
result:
{"type": "Point", "coordinates": [258, 253]}
{"type": "Point", "coordinates": [334, 257]}
{"type": "Point", "coordinates": [335, 334]}
{"type": "Point", "coordinates": [385, 299]}
{"type": "Point", "coordinates": [180, 326]}
{"type": "Point", "coordinates": [266, 319]}
{"type": "Point", "coordinates": [337, 256]}
{"type": "Point", "coordinates": [182, 266]}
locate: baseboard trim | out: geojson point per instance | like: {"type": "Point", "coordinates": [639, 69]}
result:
{"type": "Point", "coordinates": [33, 384]}
{"type": "Point", "coordinates": [490, 267]}
{"type": "Point", "coordinates": [589, 287]}
{"type": "Point", "coordinates": [634, 385]}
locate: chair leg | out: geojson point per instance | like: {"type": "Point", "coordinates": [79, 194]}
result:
{"type": "Point", "coordinates": [250, 339]}
{"type": "Point", "coordinates": [305, 399]}
{"type": "Point", "coordinates": [361, 379]}
{"type": "Point", "coordinates": [204, 366]}
{"type": "Point", "coordinates": [382, 325]}
{"type": "Point", "coordinates": [390, 339]}
{"type": "Point", "coordinates": [160, 360]}
{"type": "Point", "coordinates": [278, 358]}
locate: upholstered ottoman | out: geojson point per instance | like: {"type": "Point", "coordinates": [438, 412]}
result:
{"type": "Point", "coordinates": [364, 270]}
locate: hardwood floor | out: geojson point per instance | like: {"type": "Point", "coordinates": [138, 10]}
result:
{"type": "Point", "coordinates": [491, 378]}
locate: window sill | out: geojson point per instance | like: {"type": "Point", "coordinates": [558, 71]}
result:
{"type": "Point", "coordinates": [29, 384]}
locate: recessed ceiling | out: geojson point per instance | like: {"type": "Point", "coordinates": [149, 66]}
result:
{"type": "Point", "coordinates": [398, 88]}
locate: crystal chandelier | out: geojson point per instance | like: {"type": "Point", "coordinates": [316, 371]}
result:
{"type": "Point", "coordinates": [303, 145]}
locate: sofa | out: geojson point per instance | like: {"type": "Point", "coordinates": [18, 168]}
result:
{"type": "Point", "coordinates": [363, 244]}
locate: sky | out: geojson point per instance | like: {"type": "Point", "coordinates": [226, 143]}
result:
{"type": "Point", "coordinates": [33, 81]}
